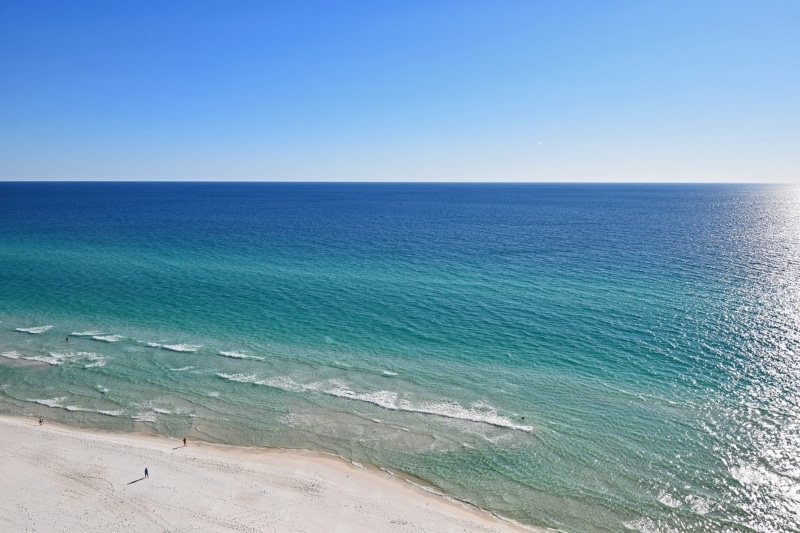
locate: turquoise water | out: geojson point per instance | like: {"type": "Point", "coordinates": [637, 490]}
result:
{"type": "Point", "coordinates": [587, 358]}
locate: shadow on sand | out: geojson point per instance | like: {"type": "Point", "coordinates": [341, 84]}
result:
{"type": "Point", "coordinates": [136, 481]}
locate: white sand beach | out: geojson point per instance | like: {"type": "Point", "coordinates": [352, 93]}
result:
{"type": "Point", "coordinates": [58, 478]}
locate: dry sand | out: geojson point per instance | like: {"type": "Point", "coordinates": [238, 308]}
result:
{"type": "Point", "coordinates": [57, 478]}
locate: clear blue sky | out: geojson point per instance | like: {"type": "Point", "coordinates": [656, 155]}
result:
{"type": "Point", "coordinates": [400, 90]}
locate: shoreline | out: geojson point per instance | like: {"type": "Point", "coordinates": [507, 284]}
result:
{"type": "Point", "coordinates": [58, 477]}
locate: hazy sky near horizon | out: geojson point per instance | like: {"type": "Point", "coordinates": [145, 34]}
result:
{"type": "Point", "coordinates": [401, 91]}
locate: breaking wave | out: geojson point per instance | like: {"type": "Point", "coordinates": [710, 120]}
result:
{"type": "Point", "coordinates": [59, 358]}
{"type": "Point", "coordinates": [240, 355]}
{"type": "Point", "coordinates": [36, 330]}
{"type": "Point", "coordinates": [479, 413]}
{"type": "Point", "coordinates": [181, 347]}
{"type": "Point", "coordinates": [108, 338]}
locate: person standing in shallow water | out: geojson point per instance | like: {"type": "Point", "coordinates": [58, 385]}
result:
{"type": "Point", "coordinates": [146, 473]}
{"type": "Point", "coordinates": [184, 442]}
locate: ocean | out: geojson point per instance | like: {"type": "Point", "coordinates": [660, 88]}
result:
{"type": "Point", "coordinates": [578, 357]}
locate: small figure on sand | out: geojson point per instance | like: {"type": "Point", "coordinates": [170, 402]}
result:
{"type": "Point", "coordinates": [184, 442]}
{"type": "Point", "coordinates": [41, 420]}
{"type": "Point", "coordinates": [146, 473]}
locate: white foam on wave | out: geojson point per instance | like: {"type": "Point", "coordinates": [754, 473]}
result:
{"type": "Point", "coordinates": [50, 360]}
{"type": "Point", "coordinates": [240, 355]}
{"type": "Point", "coordinates": [241, 378]}
{"type": "Point", "coordinates": [479, 412]}
{"type": "Point", "coordinates": [145, 416]}
{"type": "Point", "coordinates": [108, 338]}
{"type": "Point", "coordinates": [235, 355]}
{"type": "Point", "coordinates": [288, 384]}
{"type": "Point", "coordinates": [59, 358]}
{"type": "Point", "coordinates": [10, 355]}
{"type": "Point", "coordinates": [35, 330]}
{"type": "Point", "coordinates": [181, 347]}
{"type": "Point", "coordinates": [389, 373]}
{"type": "Point", "coordinates": [181, 369]}
{"type": "Point", "coordinates": [279, 382]}
{"type": "Point", "coordinates": [49, 402]}
{"type": "Point", "coordinates": [385, 399]}
{"type": "Point", "coordinates": [78, 408]}
{"type": "Point", "coordinates": [57, 403]}
{"type": "Point", "coordinates": [86, 333]}
{"type": "Point", "coordinates": [668, 500]}
{"type": "Point", "coordinates": [102, 389]}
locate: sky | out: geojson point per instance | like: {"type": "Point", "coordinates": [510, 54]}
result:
{"type": "Point", "coordinates": [389, 90]}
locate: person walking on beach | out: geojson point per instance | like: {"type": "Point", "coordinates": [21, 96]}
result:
{"type": "Point", "coordinates": [184, 442]}
{"type": "Point", "coordinates": [146, 473]}
{"type": "Point", "coordinates": [41, 420]}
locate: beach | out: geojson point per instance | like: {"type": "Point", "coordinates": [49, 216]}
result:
{"type": "Point", "coordinates": [58, 478]}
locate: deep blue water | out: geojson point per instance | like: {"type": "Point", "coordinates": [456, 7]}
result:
{"type": "Point", "coordinates": [583, 357]}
